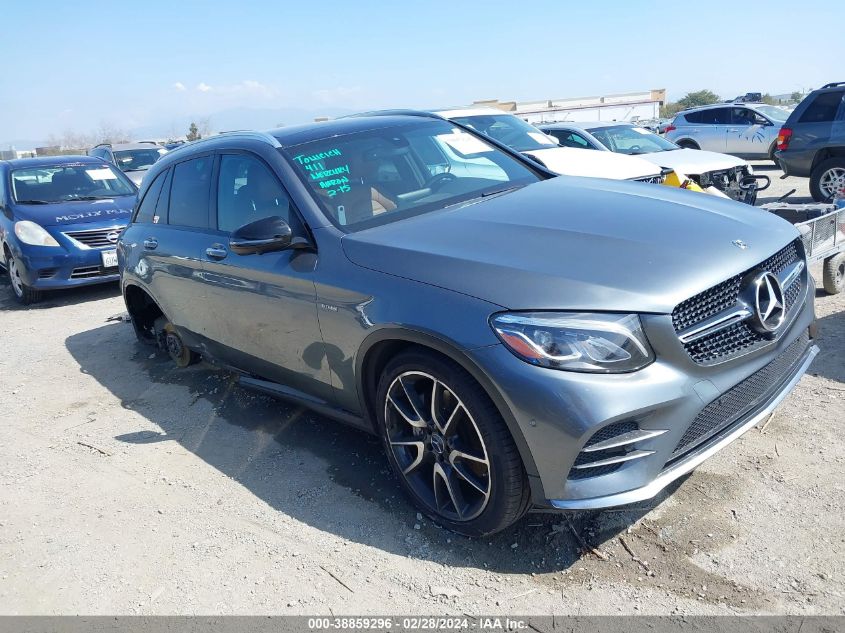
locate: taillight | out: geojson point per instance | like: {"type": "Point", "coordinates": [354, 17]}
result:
{"type": "Point", "coordinates": [783, 138]}
{"type": "Point", "coordinates": [669, 128]}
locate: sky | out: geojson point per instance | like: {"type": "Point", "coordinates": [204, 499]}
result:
{"type": "Point", "coordinates": [152, 66]}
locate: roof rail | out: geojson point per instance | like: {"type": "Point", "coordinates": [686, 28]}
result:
{"type": "Point", "coordinates": [394, 112]}
{"type": "Point", "coordinates": [103, 145]}
{"type": "Point", "coordinates": [247, 134]}
{"type": "Point", "coordinates": [835, 84]}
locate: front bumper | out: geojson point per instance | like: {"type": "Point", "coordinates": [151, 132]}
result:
{"type": "Point", "coordinates": [71, 264]}
{"type": "Point", "coordinates": [693, 459]}
{"type": "Point", "coordinates": [557, 413]}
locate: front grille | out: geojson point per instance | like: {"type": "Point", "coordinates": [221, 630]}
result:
{"type": "Point", "coordinates": [737, 338]}
{"type": "Point", "coordinates": [741, 399]}
{"type": "Point", "coordinates": [652, 180]}
{"type": "Point", "coordinates": [95, 238]}
{"type": "Point", "coordinates": [86, 272]}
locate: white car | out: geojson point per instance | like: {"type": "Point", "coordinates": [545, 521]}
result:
{"type": "Point", "coordinates": [730, 175]}
{"type": "Point", "coordinates": [525, 138]}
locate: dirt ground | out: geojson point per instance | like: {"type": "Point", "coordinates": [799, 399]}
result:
{"type": "Point", "coordinates": [129, 486]}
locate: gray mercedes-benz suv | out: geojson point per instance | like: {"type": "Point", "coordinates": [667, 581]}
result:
{"type": "Point", "coordinates": [516, 339]}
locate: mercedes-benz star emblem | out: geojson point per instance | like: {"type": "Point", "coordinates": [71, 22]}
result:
{"type": "Point", "coordinates": [112, 237]}
{"type": "Point", "coordinates": [769, 304]}
{"type": "Point", "coordinates": [740, 244]}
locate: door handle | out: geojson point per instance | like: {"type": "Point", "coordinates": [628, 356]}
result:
{"type": "Point", "coordinates": [733, 130]}
{"type": "Point", "coordinates": [151, 243]}
{"type": "Point", "coordinates": [216, 251]}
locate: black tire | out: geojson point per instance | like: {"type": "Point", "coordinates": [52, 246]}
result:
{"type": "Point", "coordinates": [506, 481]}
{"type": "Point", "coordinates": [687, 144]}
{"type": "Point", "coordinates": [818, 173]}
{"type": "Point", "coordinates": [22, 293]}
{"type": "Point", "coordinates": [772, 156]}
{"type": "Point", "coordinates": [833, 276]}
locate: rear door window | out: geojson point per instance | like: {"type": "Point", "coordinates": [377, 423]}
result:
{"type": "Point", "coordinates": [190, 192]}
{"type": "Point", "coordinates": [824, 108]}
{"type": "Point", "coordinates": [715, 116]}
{"type": "Point", "coordinates": [147, 208]}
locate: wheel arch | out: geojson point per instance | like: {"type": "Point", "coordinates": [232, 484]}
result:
{"type": "Point", "coordinates": [380, 346]}
{"type": "Point", "coordinates": [835, 151]}
{"type": "Point", "coordinates": [688, 140]}
{"type": "Point", "coordinates": [142, 308]}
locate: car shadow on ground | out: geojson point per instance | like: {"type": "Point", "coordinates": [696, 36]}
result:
{"type": "Point", "coordinates": [831, 341]}
{"type": "Point", "coordinates": [56, 298]}
{"type": "Point", "coordinates": [288, 457]}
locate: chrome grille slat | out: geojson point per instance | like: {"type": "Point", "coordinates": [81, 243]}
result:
{"type": "Point", "coordinates": [95, 238]}
{"type": "Point", "coordinates": [623, 440]}
{"type": "Point", "coordinates": [616, 459]}
{"type": "Point", "coordinates": [732, 337]}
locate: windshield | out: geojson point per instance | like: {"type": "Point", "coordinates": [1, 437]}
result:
{"type": "Point", "coordinates": [138, 159]}
{"type": "Point", "coordinates": [369, 178]}
{"type": "Point", "coordinates": [627, 139]}
{"type": "Point", "coordinates": [773, 112]}
{"type": "Point", "coordinates": [508, 130]}
{"type": "Point", "coordinates": [62, 183]}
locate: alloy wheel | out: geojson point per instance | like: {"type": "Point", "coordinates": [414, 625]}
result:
{"type": "Point", "coordinates": [15, 277]}
{"type": "Point", "coordinates": [832, 181]}
{"type": "Point", "coordinates": [437, 446]}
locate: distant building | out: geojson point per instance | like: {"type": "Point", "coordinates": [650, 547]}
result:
{"type": "Point", "coordinates": [12, 153]}
{"type": "Point", "coordinates": [632, 106]}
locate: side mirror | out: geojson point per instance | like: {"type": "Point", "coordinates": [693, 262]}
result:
{"type": "Point", "coordinates": [261, 236]}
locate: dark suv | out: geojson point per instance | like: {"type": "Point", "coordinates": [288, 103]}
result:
{"type": "Point", "coordinates": [516, 339]}
{"type": "Point", "coordinates": [812, 141]}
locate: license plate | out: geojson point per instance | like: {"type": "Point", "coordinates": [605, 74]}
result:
{"type": "Point", "coordinates": [109, 259]}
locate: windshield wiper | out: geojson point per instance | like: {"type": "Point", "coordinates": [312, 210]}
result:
{"type": "Point", "coordinates": [34, 202]}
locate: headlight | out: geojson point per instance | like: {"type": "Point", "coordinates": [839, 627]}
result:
{"type": "Point", "coordinates": [575, 341]}
{"type": "Point", "coordinates": [31, 233]}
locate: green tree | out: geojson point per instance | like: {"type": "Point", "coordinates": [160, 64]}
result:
{"type": "Point", "coordinates": [690, 100]}
{"type": "Point", "coordinates": [796, 96]}
{"type": "Point", "coordinates": [193, 132]}
{"type": "Point", "coordinates": [698, 98]}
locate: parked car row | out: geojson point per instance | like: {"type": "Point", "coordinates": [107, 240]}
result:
{"type": "Point", "coordinates": [729, 175]}
{"type": "Point", "coordinates": [516, 339]}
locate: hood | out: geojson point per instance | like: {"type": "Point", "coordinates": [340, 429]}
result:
{"type": "Point", "coordinates": [577, 244]}
{"type": "Point", "coordinates": [571, 161]}
{"type": "Point", "coordinates": [80, 212]}
{"type": "Point", "coordinates": [692, 162]}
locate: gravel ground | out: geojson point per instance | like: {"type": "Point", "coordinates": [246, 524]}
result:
{"type": "Point", "coordinates": [128, 486]}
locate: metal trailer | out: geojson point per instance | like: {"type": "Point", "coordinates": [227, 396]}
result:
{"type": "Point", "coordinates": [822, 228]}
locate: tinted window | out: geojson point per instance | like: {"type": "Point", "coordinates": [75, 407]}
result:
{"type": "Point", "coordinates": [189, 193]}
{"type": "Point", "coordinates": [146, 210]}
{"type": "Point", "coordinates": [247, 191]}
{"type": "Point", "coordinates": [571, 139]}
{"type": "Point", "coordinates": [713, 116]}
{"type": "Point", "coordinates": [823, 108]}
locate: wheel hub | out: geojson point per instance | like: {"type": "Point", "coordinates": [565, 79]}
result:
{"type": "Point", "coordinates": [174, 345]}
{"type": "Point", "coordinates": [438, 444]}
